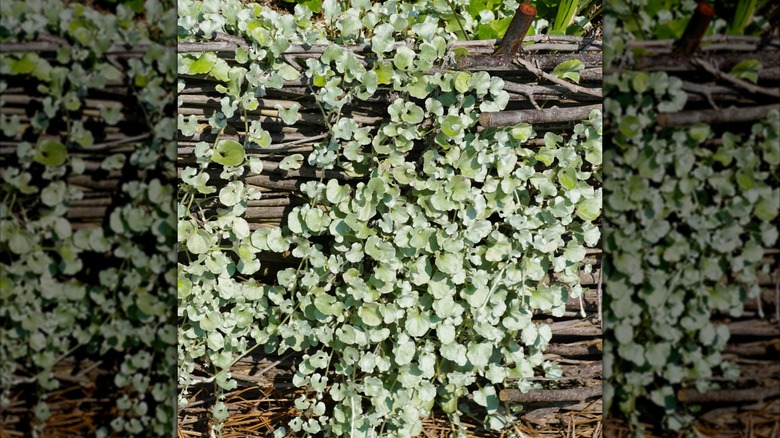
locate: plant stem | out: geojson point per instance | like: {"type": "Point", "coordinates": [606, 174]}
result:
{"type": "Point", "coordinates": [457, 19]}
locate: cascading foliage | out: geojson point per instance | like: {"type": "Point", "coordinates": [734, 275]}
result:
{"type": "Point", "coordinates": [421, 265]}
{"type": "Point", "coordinates": [688, 212]}
{"type": "Point", "coordinates": [686, 226]}
{"type": "Point", "coordinates": [97, 291]}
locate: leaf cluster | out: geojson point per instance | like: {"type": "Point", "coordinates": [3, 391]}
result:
{"type": "Point", "coordinates": [68, 289]}
{"type": "Point", "coordinates": [688, 213]}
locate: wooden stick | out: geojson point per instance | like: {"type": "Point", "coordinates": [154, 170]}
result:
{"type": "Point", "coordinates": [777, 294]}
{"type": "Point", "coordinates": [754, 328]}
{"type": "Point", "coordinates": [745, 85]}
{"type": "Point", "coordinates": [728, 396]}
{"type": "Point", "coordinates": [476, 46]}
{"type": "Point", "coordinates": [571, 87]}
{"type": "Point", "coordinates": [547, 115]}
{"type": "Point", "coordinates": [725, 61]}
{"type": "Point", "coordinates": [714, 40]}
{"type": "Point", "coordinates": [544, 62]}
{"type": "Point", "coordinates": [546, 92]}
{"type": "Point", "coordinates": [759, 349]}
{"type": "Point", "coordinates": [86, 212]}
{"type": "Point", "coordinates": [695, 30]}
{"type": "Point", "coordinates": [513, 38]}
{"type": "Point", "coordinates": [584, 348]}
{"type": "Point", "coordinates": [304, 171]}
{"type": "Point", "coordinates": [549, 395]}
{"type": "Point", "coordinates": [575, 327]}
{"type": "Point", "coordinates": [214, 101]}
{"type": "Point", "coordinates": [276, 183]}
{"type": "Point", "coordinates": [266, 212]}
{"type": "Point", "coordinates": [711, 93]}
{"type": "Point", "coordinates": [710, 117]}
{"type": "Point", "coordinates": [51, 46]}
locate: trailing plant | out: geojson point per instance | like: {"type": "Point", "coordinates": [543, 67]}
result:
{"type": "Point", "coordinates": [420, 262]}
{"type": "Point", "coordinates": [101, 291]}
{"type": "Point", "coordinates": [689, 211]}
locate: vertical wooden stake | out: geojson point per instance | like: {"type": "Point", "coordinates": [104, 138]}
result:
{"type": "Point", "coordinates": [513, 38]}
{"type": "Point", "coordinates": [689, 42]}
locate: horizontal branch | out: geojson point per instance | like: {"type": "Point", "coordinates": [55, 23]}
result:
{"type": "Point", "coordinates": [716, 116]}
{"type": "Point", "coordinates": [305, 172]}
{"type": "Point", "coordinates": [51, 46]}
{"type": "Point", "coordinates": [275, 182]}
{"type": "Point", "coordinates": [549, 395]}
{"type": "Point", "coordinates": [540, 73]}
{"type": "Point", "coordinates": [575, 349]}
{"type": "Point", "coordinates": [575, 327]}
{"type": "Point", "coordinates": [262, 103]}
{"type": "Point", "coordinates": [265, 115]}
{"type": "Point", "coordinates": [546, 92]}
{"type": "Point", "coordinates": [507, 63]}
{"type": "Point", "coordinates": [766, 348]}
{"type": "Point", "coordinates": [544, 42]}
{"type": "Point", "coordinates": [96, 212]}
{"type": "Point", "coordinates": [723, 61]}
{"type": "Point", "coordinates": [728, 396]}
{"type": "Point", "coordinates": [265, 212]}
{"type": "Point", "coordinates": [712, 43]}
{"type": "Point", "coordinates": [739, 83]}
{"type": "Point", "coordinates": [86, 181]}
{"type": "Point", "coordinates": [754, 328]}
{"type": "Point", "coordinates": [547, 115]}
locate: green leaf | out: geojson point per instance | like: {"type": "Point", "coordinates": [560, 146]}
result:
{"type": "Point", "coordinates": [228, 153]}
{"type": "Point", "coordinates": [291, 162]}
{"type": "Point", "coordinates": [747, 70]}
{"type": "Point", "coordinates": [589, 209]}
{"type": "Point", "coordinates": [404, 58]}
{"type": "Point", "coordinates": [487, 398]}
{"type": "Point", "coordinates": [452, 126]}
{"type": "Point", "coordinates": [290, 115]}
{"type": "Point", "coordinates": [629, 125]}
{"type": "Point", "coordinates": [417, 324]}
{"type": "Point", "coordinates": [220, 412]}
{"type": "Point", "coordinates": [215, 340]}
{"type": "Point", "coordinates": [21, 242]}
{"type": "Point", "coordinates": [50, 153]}
{"type": "Point", "coordinates": [201, 65]}
{"type": "Point", "coordinates": [199, 242]}
{"type": "Point", "coordinates": [232, 193]}
{"type": "Point", "coordinates": [567, 178]}
{"type": "Point", "coordinates": [639, 82]}
{"type": "Point", "coordinates": [767, 208]}
{"type": "Point", "coordinates": [461, 81]}
{"type": "Point", "coordinates": [369, 314]}
{"type": "Point", "coordinates": [328, 305]}
{"type": "Point", "coordinates": [404, 353]}
{"type": "Point", "coordinates": [384, 73]}
{"type": "Point", "coordinates": [569, 70]}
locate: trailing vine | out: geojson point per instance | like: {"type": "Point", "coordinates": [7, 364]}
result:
{"type": "Point", "coordinates": [688, 211]}
{"type": "Point", "coordinates": [424, 246]}
{"type": "Point", "coordinates": [102, 289]}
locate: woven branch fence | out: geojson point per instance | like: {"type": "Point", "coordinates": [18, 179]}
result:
{"type": "Point", "coordinates": [264, 398]}
{"type": "Point", "coordinates": [86, 396]}
{"type": "Point", "coordinates": [21, 100]}
{"type": "Point", "coordinates": [751, 405]}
